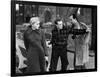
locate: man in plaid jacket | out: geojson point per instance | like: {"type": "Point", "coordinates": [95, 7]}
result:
{"type": "Point", "coordinates": [59, 44]}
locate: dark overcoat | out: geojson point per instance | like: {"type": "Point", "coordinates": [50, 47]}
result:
{"type": "Point", "coordinates": [35, 44]}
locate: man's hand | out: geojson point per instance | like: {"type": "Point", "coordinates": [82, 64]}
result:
{"type": "Point", "coordinates": [46, 58]}
{"type": "Point", "coordinates": [48, 43]}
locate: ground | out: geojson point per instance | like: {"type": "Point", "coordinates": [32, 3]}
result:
{"type": "Point", "coordinates": [89, 65]}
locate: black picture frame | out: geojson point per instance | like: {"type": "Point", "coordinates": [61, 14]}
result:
{"type": "Point", "coordinates": [13, 29]}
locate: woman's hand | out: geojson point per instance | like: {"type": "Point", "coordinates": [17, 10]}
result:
{"type": "Point", "coordinates": [88, 30]}
{"type": "Point", "coordinates": [17, 70]}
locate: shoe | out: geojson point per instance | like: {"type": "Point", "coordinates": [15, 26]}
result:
{"type": "Point", "coordinates": [83, 66]}
{"type": "Point", "coordinates": [78, 67]}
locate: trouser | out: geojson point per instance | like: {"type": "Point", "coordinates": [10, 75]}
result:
{"type": "Point", "coordinates": [56, 53]}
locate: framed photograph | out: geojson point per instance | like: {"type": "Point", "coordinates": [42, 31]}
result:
{"type": "Point", "coordinates": [52, 38]}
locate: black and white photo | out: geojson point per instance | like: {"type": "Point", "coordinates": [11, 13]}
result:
{"type": "Point", "coordinates": [52, 38]}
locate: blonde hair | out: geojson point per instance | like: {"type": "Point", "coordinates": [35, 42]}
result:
{"type": "Point", "coordinates": [34, 20]}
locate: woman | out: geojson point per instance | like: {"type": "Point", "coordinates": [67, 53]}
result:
{"type": "Point", "coordinates": [19, 56]}
{"type": "Point", "coordinates": [81, 44]}
{"type": "Point", "coordinates": [35, 44]}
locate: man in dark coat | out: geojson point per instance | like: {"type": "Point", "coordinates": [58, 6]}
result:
{"type": "Point", "coordinates": [35, 44]}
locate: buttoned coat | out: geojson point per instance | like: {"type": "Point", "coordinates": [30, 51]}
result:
{"type": "Point", "coordinates": [35, 44]}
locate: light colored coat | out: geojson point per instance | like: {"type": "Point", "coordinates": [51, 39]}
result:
{"type": "Point", "coordinates": [82, 48]}
{"type": "Point", "coordinates": [20, 43]}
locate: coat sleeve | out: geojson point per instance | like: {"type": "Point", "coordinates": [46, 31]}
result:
{"type": "Point", "coordinates": [26, 43]}
{"type": "Point", "coordinates": [44, 44]}
{"type": "Point", "coordinates": [77, 31]}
